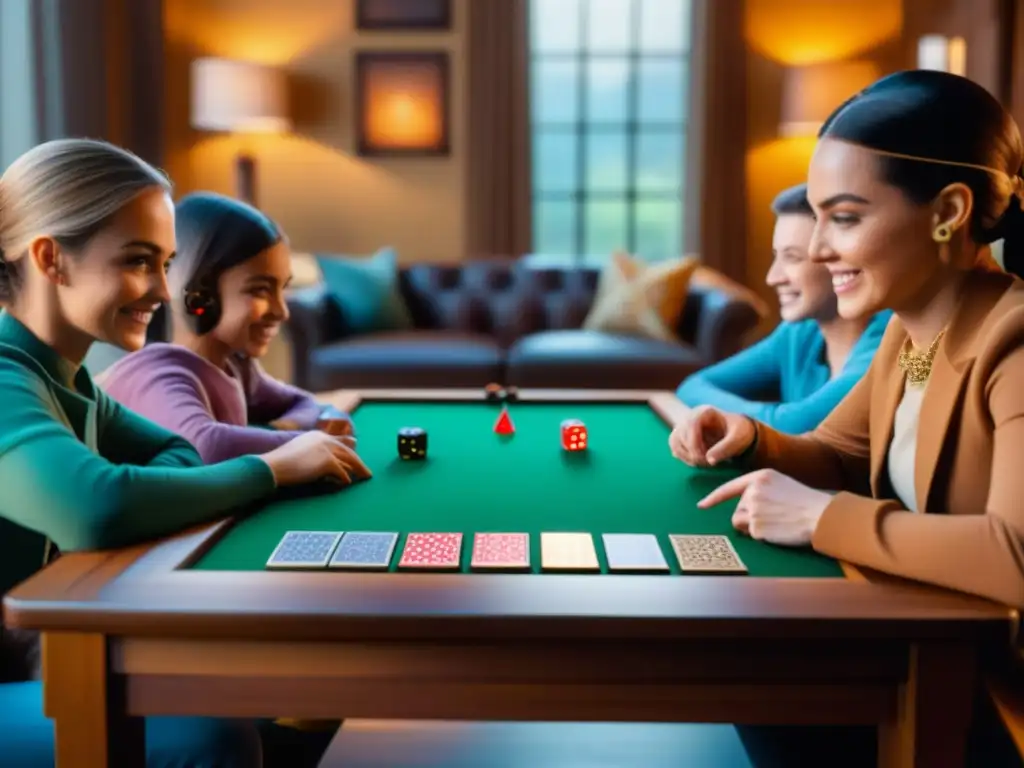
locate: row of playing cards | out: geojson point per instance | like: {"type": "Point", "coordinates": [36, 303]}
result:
{"type": "Point", "coordinates": [625, 552]}
{"type": "Point", "coordinates": [639, 553]}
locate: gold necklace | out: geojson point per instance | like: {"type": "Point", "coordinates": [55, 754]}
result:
{"type": "Point", "coordinates": [918, 365]}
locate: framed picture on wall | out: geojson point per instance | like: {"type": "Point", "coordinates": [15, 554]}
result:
{"type": "Point", "coordinates": [397, 15]}
{"type": "Point", "coordinates": [402, 103]}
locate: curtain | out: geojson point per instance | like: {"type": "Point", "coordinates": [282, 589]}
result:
{"type": "Point", "coordinates": [715, 208]}
{"type": "Point", "coordinates": [88, 68]}
{"type": "Point", "coordinates": [498, 221]}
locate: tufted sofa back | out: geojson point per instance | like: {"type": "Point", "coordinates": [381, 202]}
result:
{"type": "Point", "coordinates": [508, 300]}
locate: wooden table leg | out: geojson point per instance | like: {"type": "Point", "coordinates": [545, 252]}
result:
{"type": "Point", "coordinates": [87, 706]}
{"type": "Point", "coordinates": [934, 709]}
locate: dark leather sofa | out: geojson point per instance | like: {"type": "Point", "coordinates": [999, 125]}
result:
{"type": "Point", "coordinates": [493, 321]}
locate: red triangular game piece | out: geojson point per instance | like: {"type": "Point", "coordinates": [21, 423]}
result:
{"type": "Point", "coordinates": [503, 426]}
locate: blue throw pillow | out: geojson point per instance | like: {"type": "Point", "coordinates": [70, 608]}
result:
{"type": "Point", "coordinates": [366, 291]}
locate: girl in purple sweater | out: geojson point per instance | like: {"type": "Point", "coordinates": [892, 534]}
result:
{"type": "Point", "coordinates": [227, 286]}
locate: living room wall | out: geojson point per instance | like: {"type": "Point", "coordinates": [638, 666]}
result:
{"type": "Point", "coordinates": [311, 181]}
{"type": "Point", "coordinates": [328, 199]}
{"type": "Point", "coordinates": [781, 33]}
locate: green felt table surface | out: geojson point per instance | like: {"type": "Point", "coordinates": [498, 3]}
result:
{"type": "Point", "coordinates": [476, 481]}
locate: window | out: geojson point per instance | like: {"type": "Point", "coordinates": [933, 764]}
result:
{"type": "Point", "coordinates": [608, 91]}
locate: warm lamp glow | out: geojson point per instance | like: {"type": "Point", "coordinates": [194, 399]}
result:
{"type": "Point", "coordinates": [238, 96]}
{"type": "Point", "coordinates": [802, 32]}
{"type": "Point", "coordinates": [946, 54]}
{"type": "Point", "coordinates": [403, 105]}
{"type": "Point", "coordinates": [810, 94]}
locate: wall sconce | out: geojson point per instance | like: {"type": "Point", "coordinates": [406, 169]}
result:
{"type": "Point", "coordinates": [402, 104]}
{"type": "Point", "coordinates": [946, 54]}
{"type": "Point", "coordinates": [810, 94]}
{"type": "Point", "coordinates": [239, 97]}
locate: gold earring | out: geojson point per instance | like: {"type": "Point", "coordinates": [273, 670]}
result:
{"type": "Point", "coordinates": [942, 233]}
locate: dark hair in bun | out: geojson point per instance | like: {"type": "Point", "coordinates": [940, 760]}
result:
{"type": "Point", "coordinates": [933, 129]}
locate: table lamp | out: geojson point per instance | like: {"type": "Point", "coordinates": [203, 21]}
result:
{"type": "Point", "coordinates": [239, 97]}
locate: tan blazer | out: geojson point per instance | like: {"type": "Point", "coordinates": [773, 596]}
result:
{"type": "Point", "coordinates": [969, 478]}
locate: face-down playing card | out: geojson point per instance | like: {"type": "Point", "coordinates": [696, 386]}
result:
{"type": "Point", "coordinates": [634, 552]}
{"type": "Point", "coordinates": [304, 549]}
{"type": "Point", "coordinates": [501, 551]}
{"type": "Point", "coordinates": [371, 550]}
{"type": "Point", "coordinates": [706, 554]}
{"type": "Point", "coordinates": [568, 552]}
{"type": "Point", "coordinates": [432, 551]}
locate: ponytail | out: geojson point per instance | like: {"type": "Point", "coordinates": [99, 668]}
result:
{"type": "Point", "coordinates": [1013, 236]}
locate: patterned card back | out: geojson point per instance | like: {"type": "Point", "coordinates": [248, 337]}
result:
{"type": "Point", "coordinates": [706, 554]}
{"type": "Point", "coordinates": [304, 549]}
{"type": "Point", "coordinates": [432, 550]}
{"type": "Point", "coordinates": [501, 550]}
{"type": "Point", "coordinates": [365, 549]}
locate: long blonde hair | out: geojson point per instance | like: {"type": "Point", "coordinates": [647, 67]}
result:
{"type": "Point", "coordinates": [67, 189]}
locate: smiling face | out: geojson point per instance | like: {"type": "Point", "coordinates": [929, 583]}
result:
{"type": "Point", "coordinates": [253, 303]}
{"type": "Point", "coordinates": [876, 242]}
{"type": "Point", "coordinates": [115, 284]}
{"type": "Point", "coordinates": [804, 287]}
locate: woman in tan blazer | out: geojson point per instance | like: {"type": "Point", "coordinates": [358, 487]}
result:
{"type": "Point", "coordinates": [917, 472]}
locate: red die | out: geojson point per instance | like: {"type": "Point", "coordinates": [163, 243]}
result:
{"type": "Point", "coordinates": [574, 435]}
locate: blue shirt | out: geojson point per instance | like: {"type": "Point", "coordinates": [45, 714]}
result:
{"type": "Point", "coordinates": [784, 380]}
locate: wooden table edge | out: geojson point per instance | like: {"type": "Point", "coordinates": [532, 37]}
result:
{"type": "Point", "coordinates": [75, 583]}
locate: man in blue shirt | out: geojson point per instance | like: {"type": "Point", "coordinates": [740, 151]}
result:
{"type": "Point", "coordinates": [795, 376]}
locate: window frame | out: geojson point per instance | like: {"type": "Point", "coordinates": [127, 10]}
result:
{"type": "Point", "coordinates": [632, 127]}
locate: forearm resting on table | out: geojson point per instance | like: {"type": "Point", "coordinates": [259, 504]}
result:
{"type": "Point", "coordinates": [976, 554]}
{"type": "Point", "coordinates": [811, 460]}
{"type": "Point", "coordinates": [217, 442]}
{"type": "Point", "coordinates": [82, 502]}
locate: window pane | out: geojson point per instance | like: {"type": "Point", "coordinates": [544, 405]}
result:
{"type": "Point", "coordinates": [659, 227]}
{"type": "Point", "coordinates": [663, 94]}
{"type": "Point", "coordinates": [659, 161]}
{"type": "Point", "coordinates": [607, 84]}
{"type": "Point", "coordinates": [555, 89]}
{"type": "Point", "coordinates": [606, 161]}
{"type": "Point", "coordinates": [555, 161]}
{"type": "Point", "coordinates": [664, 26]}
{"type": "Point", "coordinates": [555, 25]}
{"type": "Point", "coordinates": [605, 227]}
{"type": "Point", "coordinates": [554, 226]}
{"type": "Point", "coordinates": [609, 25]}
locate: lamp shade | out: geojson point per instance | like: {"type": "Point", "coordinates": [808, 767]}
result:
{"type": "Point", "coordinates": [946, 54]}
{"type": "Point", "coordinates": [238, 96]}
{"type": "Point", "coordinates": [810, 94]}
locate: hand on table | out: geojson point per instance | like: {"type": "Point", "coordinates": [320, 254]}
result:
{"type": "Point", "coordinates": [338, 428]}
{"type": "Point", "coordinates": [773, 507]}
{"type": "Point", "coordinates": [707, 436]}
{"type": "Point", "coordinates": [315, 456]}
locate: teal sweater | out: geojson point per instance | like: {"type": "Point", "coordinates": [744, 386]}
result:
{"type": "Point", "coordinates": [784, 380]}
{"type": "Point", "coordinates": [86, 473]}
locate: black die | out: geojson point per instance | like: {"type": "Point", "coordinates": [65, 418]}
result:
{"type": "Point", "coordinates": [412, 443]}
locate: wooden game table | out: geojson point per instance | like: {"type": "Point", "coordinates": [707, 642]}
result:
{"type": "Point", "coordinates": [195, 625]}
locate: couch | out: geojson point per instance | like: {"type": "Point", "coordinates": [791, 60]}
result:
{"type": "Point", "coordinates": [502, 321]}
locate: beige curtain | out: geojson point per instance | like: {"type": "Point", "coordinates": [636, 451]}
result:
{"type": "Point", "coordinates": [498, 221]}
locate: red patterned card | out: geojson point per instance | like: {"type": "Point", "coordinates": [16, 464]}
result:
{"type": "Point", "coordinates": [432, 550]}
{"type": "Point", "coordinates": [501, 550]}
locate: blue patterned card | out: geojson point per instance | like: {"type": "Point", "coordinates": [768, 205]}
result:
{"type": "Point", "coordinates": [304, 549]}
{"type": "Point", "coordinates": [363, 549]}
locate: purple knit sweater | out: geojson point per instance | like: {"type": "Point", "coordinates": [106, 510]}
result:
{"type": "Point", "coordinates": [211, 408]}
